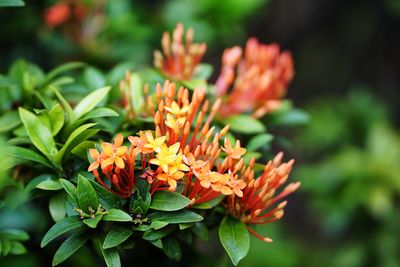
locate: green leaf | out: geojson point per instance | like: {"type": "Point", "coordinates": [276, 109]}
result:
{"type": "Point", "coordinates": [64, 103]}
{"type": "Point", "coordinates": [116, 236]}
{"type": "Point", "coordinates": [111, 256]}
{"type": "Point", "coordinates": [39, 134]}
{"type": "Point", "coordinates": [171, 248]}
{"type": "Point", "coordinates": [57, 206]}
{"type": "Point", "coordinates": [61, 69]}
{"type": "Point", "coordinates": [56, 118]}
{"type": "Point", "coordinates": [61, 227]}
{"type": "Point", "coordinates": [37, 180]}
{"type": "Point", "coordinates": [209, 204]}
{"type": "Point", "coordinates": [234, 238]}
{"type": "Point", "coordinates": [82, 149]}
{"type": "Point", "coordinates": [6, 247]}
{"type": "Point", "coordinates": [168, 201]}
{"type": "Point", "coordinates": [90, 101]}
{"type": "Point", "coordinates": [72, 244]}
{"type": "Point", "coordinates": [17, 248]}
{"type": "Point", "coordinates": [100, 113]}
{"type": "Point", "coordinates": [117, 215]}
{"type": "Point", "coordinates": [181, 216]}
{"type": "Point", "coordinates": [9, 121]}
{"type": "Point", "coordinates": [292, 117]}
{"type": "Point", "coordinates": [93, 78]}
{"type": "Point", "coordinates": [87, 197]}
{"type": "Point", "coordinates": [92, 222]}
{"type": "Point", "coordinates": [107, 199]}
{"type": "Point", "coordinates": [153, 235]}
{"type": "Point", "coordinates": [244, 124]}
{"type": "Point", "coordinates": [49, 184]}
{"type": "Point", "coordinates": [71, 190]}
{"type": "Point", "coordinates": [26, 154]}
{"type": "Point", "coordinates": [14, 234]}
{"type": "Point", "coordinates": [259, 141]}
{"type": "Point", "coordinates": [15, 3]}
{"type": "Point", "coordinates": [74, 135]}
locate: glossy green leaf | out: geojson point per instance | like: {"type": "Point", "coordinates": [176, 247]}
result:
{"type": "Point", "coordinates": [117, 215]}
{"type": "Point", "coordinates": [39, 134]}
{"type": "Point", "coordinates": [8, 121]}
{"type": "Point", "coordinates": [82, 149]}
{"type": "Point", "coordinates": [26, 154]}
{"type": "Point", "coordinates": [71, 190]}
{"type": "Point", "coordinates": [57, 206]}
{"type": "Point", "coordinates": [171, 248]}
{"type": "Point", "coordinates": [92, 222]}
{"type": "Point", "coordinates": [244, 124]}
{"type": "Point", "coordinates": [100, 113]}
{"type": "Point", "coordinates": [87, 196]}
{"type": "Point", "coordinates": [72, 138]}
{"type": "Point", "coordinates": [56, 119]}
{"type": "Point", "coordinates": [259, 141]}
{"type": "Point", "coordinates": [63, 102]}
{"type": "Point", "coordinates": [107, 199]}
{"type": "Point", "coordinates": [111, 256]}
{"type": "Point", "coordinates": [61, 227]}
{"type": "Point", "coordinates": [90, 101]}
{"type": "Point", "coordinates": [116, 236]}
{"type": "Point", "coordinates": [153, 235]}
{"type": "Point", "coordinates": [168, 201]}
{"type": "Point", "coordinates": [234, 238]}
{"type": "Point", "coordinates": [49, 184]}
{"type": "Point", "coordinates": [69, 247]}
{"type": "Point", "coordinates": [181, 216]}
{"type": "Point", "coordinates": [209, 204]}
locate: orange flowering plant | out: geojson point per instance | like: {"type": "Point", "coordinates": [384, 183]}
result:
{"type": "Point", "coordinates": [161, 161]}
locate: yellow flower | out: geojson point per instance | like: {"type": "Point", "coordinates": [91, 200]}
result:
{"type": "Point", "coordinates": [154, 144]}
{"type": "Point", "coordinates": [166, 156]}
{"type": "Point", "coordinates": [233, 152]}
{"type": "Point", "coordinates": [174, 109]}
{"type": "Point", "coordinates": [175, 124]}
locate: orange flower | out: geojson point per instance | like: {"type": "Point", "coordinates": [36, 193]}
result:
{"type": "Point", "coordinates": [257, 204]}
{"type": "Point", "coordinates": [179, 58]}
{"type": "Point", "coordinates": [114, 153]}
{"type": "Point", "coordinates": [121, 176]}
{"type": "Point", "coordinates": [262, 76]}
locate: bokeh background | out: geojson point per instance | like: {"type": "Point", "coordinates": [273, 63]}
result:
{"type": "Point", "coordinates": [347, 62]}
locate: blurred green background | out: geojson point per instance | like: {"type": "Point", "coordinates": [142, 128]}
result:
{"type": "Point", "coordinates": [347, 62]}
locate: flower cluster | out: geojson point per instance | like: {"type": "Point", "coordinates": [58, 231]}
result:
{"type": "Point", "coordinates": [182, 150]}
{"type": "Point", "coordinates": [178, 60]}
{"type": "Point", "coordinates": [256, 82]}
{"type": "Point", "coordinates": [185, 155]}
{"type": "Point", "coordinates": [258, 204]}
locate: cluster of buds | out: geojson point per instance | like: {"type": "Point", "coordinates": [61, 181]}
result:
{"type": "Point", "coordinates": [256, 82]}
{"type": "Point", "coordinates": [178, 60]}
{"type": "Point", "coordinates": [258, 204]}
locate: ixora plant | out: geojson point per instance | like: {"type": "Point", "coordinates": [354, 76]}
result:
{"type": "Point", "coordinates": [150, 157]}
